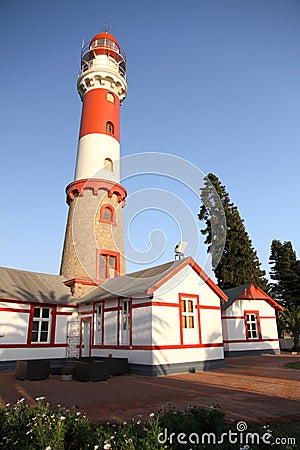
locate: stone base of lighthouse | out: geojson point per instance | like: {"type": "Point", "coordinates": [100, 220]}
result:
{"type": "Point", "coordinates": [94, 244]}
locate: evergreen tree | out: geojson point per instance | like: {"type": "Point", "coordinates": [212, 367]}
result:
{"type": "Point", "coordinates": [289, 320]}
{"type": "Point", "coordinates": [235, 262]}
{"type": "Point", "coordinates": [285, 271]}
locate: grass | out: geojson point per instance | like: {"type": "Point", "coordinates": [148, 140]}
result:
{"type": "Point", "coordinates": [293, 365]}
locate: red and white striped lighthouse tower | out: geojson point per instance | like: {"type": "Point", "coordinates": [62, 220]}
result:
{"type": "Point", "coordinates": [94, 248]}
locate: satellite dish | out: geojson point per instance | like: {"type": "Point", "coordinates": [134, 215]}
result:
{"type": "Point", "coordinates": [179, 249]}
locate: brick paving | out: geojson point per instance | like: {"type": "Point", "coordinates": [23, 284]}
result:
{"type": "Point", "coordinates": [257, 388]}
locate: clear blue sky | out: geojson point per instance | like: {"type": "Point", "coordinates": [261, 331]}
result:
{"type": "Point", "coordinates": [214, 82]}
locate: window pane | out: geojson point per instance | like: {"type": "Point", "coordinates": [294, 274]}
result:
{"type": "Point", "coordinates": [107, 215]}
{"type": "Point", "coordinates": [190, 306]}
{"type": "Point", "coordinates": [183, 322]}
{"type": "Point", "coordinates": [183, 306]}
{"type": "Point", "coordinates": [44, 326]}
{"type": "Point", "coordinates": [102, 272]}
{"type": "Point", "coordinates": [45, 313]}
{"type": "Point", "coordinates": [191, 321]}
{"type": "Point", "coordinates": [102, 260]}
{"type": "Point", "coordinates": [34, 336]}
{"type": "Point", "coordinates": [44, 336]}
{"type": "Point", "coordinates": [254, 334]}
{"type": "Point", "coordinates": [36, 312]}
{"type": "Point", "coordinates": [112, 261]}
{"type": "Point", "coordinates": [35, 326]}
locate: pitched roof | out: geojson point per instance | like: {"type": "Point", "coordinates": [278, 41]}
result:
{"type": "Point", "coordinates": [33, 287]}
{"type": "Point", "coordinates": [248, 291]}
{"type": "Point", "coordinates": [145, 282]}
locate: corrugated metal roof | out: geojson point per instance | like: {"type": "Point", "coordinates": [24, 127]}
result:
{"type": "Point", "coordinates": [33, 286]}
{"type": "Point", "coordinates": [134, 284]}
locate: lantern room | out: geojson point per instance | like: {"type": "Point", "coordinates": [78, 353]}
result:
{"type": "Point", "coordinates": [103, 51]}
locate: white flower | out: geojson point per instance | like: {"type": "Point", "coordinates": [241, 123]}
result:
{"type": "Point", "coordinates": [48, 448]}
{"type": "Point", "coordinates": [62, 418]}
{"type": "Point", "coordinates": [7, 405]}
{"type": "Point", "coordinates": [78, 413]}
{"type": "Point", "coordinates": [151, 415]}
{"type": "Point", "coordinates": [107, 446]}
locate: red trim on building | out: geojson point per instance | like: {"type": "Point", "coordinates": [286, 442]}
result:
{"type": "Point", "coordinates": [199, 319]}
{"type": "Point", "coordinates": [118, 321]}
{"type": "Point", "coordinates": [63, 313]}
{"type": "Point", "coordinates": [130, 328]}
{"type": "Point", "coordinates": [112, 308]}
{"type": "Point", "coordinates": [16, 310]}
{"type": "Point", "coordinates": [180, 320]}
{"type": "Point", "coordinates": [32, 345]}
{"type": "Point", "coordinates": [53, 325]}
{"type": "Point", "coordinates": [233, 341]}
{"type": "Point", "coordinates": [29, 330]}
{"type": "Point", "coordinates": [159, 347]}
{"type": "Point", "coordinates": [86, 313]}
{"type": "Point", "coordinates": [242, 317]}
{"type": "Point", "coordinates": [146, 304]}
{"type": "Point", "coordinates": [77, 188]}
{"type": "Point", "coordinates": [84, 281]}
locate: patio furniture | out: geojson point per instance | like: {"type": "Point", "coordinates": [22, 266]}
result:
{"type": "Point", "coordinates": [90, 371]}
{"type": "Point", "coordinates": [32, 369]}
{"type": "Point", "coordinates": [117, 366]}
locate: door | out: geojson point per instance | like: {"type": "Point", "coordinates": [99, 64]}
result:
{"type": "Point", "coordinates": [85, 341]}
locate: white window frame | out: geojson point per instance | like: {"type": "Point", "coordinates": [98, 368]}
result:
{"type": "Point", "coordinates": [252, 326]}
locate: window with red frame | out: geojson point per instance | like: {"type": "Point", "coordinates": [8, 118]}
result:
{"type": "Point", "coordinates": [252, 326]}
{"type": "Point", "coordinates": [107, 214]}
{"type": "Point", "coordinates": [41, 325]}
{"type": "Point", "coordinates": [108, 266]}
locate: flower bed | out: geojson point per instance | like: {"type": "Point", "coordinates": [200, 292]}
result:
{"type": "Point", "coordinates": [45, 428]}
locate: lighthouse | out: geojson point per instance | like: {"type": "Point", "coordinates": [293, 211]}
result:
{"type": "Point", "coordinates": [94, 245]}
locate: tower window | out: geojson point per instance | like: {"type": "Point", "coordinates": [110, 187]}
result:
{"type": "Point", "coordinates": [110, 97]}
{"type": "Point", "coordinates": [108, 265]}
{"type": "Point", "coordinates": [108, 164]}
{"type": "Point", "coordinates": [107, 214]}
{"type": "Point", "coordinates": [109, 128]}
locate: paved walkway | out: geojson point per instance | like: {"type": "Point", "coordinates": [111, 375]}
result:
{"type": "Point", "coordinates": [249, 388]}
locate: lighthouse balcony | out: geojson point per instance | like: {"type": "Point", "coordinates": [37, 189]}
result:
{"type": "Point", "coordinates": [108, 64]}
